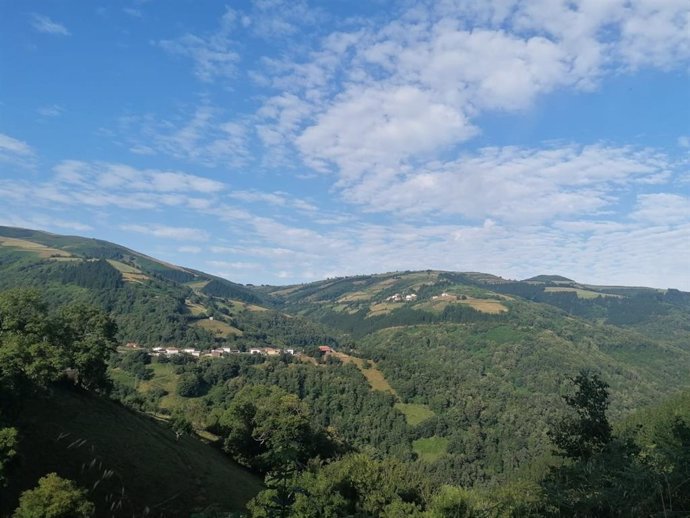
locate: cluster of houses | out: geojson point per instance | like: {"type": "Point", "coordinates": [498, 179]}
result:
{"type": "Point", "coordinates": [402, 298]}
{"type": "Point", "coordinates": [213, 353]}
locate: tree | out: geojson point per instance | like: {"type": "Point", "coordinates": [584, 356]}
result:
{"type": "Point", "coordinates": [8, 450]}
{"type": "Point", "coordinates": [89, 337]}
{"type": "Point", "coordinates": [586, 432]}
{"type": "Point", "coordinates": [268, 429]}
{"type": "Point", "coordinates": [191, 385]}
{"type": "Point", "coordinates": [180, 424]}
{"type": "Point", "coordinates": [40, 347]}
{"type": "Point", "coordinates": [54, 497]}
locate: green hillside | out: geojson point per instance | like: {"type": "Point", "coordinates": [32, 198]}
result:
{"type": "Point", "coordinates": [152, 302]}
{"type": "Point", "coordinates": [488, 356]}
{"type": "Point", "coordinates": [123, 456]}
{"type": "Point", "coordinates": [457, 376]}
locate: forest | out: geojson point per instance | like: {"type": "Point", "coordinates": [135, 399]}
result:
{"type": "Point", "coordinates": [478, 397]}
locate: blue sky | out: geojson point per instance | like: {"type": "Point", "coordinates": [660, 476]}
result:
{"type": "Point", "coordinates": [273, 141]}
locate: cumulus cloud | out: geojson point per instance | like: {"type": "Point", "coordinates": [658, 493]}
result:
{"type": "Point", "coordinates": [509, 183]}
{"type": "Point", "coordinates": [394, 95]}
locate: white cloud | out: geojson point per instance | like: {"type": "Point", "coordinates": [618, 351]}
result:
{"type": "Point", "coordinates": [230, 265]}
{"type": "Point", "coordinates": [47, 26]}
{"type": "Point", "coordinates": [214, 56]}
{"type": "Point", "coordinates": [662, 209]}
{"type": "Point", "coordinates": [14, 146]}
{"type": "Point", "coordinates": [136, 13]}
{"type": "Point", "coordinates": [16, 152]}
{"type": "Point", "coordinates": [189, 249]}
{"type": "Point", "coordinates": [520, 185]}
{"type": "Point", "coordinates": [203, 136]}
{"type": "Point", "coordinates": [394, 96]}
{"type": "Point", "coordinates": [53, 110]}
{"type": "Point", "coordinates": [279, 18]}
{"type": "Point", "coordinates": [43, 222]}
{"type": "Point", "coordinates": [112, 176]}
{"type": "Point", "coordinates": [163, 231]}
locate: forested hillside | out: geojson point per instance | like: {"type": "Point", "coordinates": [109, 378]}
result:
{"type": "Point", "coordinates": [487, 358]}
{"type": "Point", "coordinates": [425, 393]}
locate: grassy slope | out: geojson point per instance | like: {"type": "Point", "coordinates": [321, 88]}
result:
{"type": "Point", "coordinates": [154, 469]}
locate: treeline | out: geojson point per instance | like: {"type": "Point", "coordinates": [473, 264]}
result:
{"type": "Point", "coordinates": [625, 308]}
{"type": "Point", "coordinates": [230, 290]}
{"type": "Point", "coordinates": [359, 324]}
{"type": "Point", "coordinates": [95, 275]}
{"type": "Point", "coordinates": [274, 328]}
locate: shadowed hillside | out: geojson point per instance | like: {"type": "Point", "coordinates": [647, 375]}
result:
{"type": "Point", "coordinates": [124, 458]}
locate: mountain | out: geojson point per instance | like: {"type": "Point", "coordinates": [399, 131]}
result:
{"type": "Point", "coordinates": [153, 302]}
{"type": "Point", "coordinates": [485, 359]}
{"type": "Point", "coordinates": [460, 373]}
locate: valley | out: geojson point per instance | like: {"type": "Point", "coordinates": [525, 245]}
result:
{"type": "Point", "coordinates": [457, 377]}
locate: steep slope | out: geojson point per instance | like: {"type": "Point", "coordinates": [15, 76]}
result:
{"type": "Point", "coordinates": [122, 457]}
{"type": "Point", "coordinates": [153, 302]}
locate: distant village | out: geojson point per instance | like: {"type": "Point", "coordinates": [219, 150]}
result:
{"type": "Point", "coordinates": [221, 351]}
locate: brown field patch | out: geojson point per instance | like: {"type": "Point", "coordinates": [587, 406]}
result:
{"type": "Point", "coordinates": [374, 376]}
{"type": "Point", "coordinates": [196, 285]}
{"type": "Point", "coordinates": [382, 308]}
{"type": "Point", "coordinates": [194, 309]}
{"type": "Point", "coordinates": [581, 294]}
{"type": "Point", "coordinates": [129, 273]}
{"type": "Point", "coordinates": [493, 307]}
{"type": "Point", "coordinates": [355, 296]}
{"type": "Point", "coordinates": [35, 248]}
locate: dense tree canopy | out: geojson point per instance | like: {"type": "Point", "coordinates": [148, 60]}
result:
{"type": "Point", "coordinates": [54, 497]}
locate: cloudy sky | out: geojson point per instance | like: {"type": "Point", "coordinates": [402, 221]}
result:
{"type": "Point", "coordinates": [280, 141]}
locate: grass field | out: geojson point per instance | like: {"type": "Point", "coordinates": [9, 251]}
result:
{"type": "Point", "coordinates": [430, 448]}
{"type": "Point", "coordinates": [136, 459]}
{"type": "Point", "coordinates": [375, 377]}
{"type": "Point", "coordinates": [493, 307]}
{"type": "Point", "coordinates": [382, 308]}
{"type": "Point", "coordinates": [35, 248]}
{"type": "Point", "coordinates": [197, 285]}
{"type": "Point", "coordinates": [129, 273]}
{"type": "Point", "coordinates": [195, 309]}
{"type": "Point", "coordinates": [415, 413]}
{"type": "Point", "coordinates": [581, 294]}
{"type": "Point", "coordinates": [218, 328]}
{"type": "Point", "coordinates": [355, 296]}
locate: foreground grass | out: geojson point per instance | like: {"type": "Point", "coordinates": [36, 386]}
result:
{"type": "Point", "coordinates": [123, 457]}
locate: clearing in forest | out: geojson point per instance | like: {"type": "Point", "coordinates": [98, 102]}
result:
{"type": "Point", "coordinates": [36, 248]}
{"type": "Point", "coordinates": [430, 449]}
{"type": "Point", "coordinates": [129, 273]}
{"type": "Point", "coordinates": [414, 413]}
